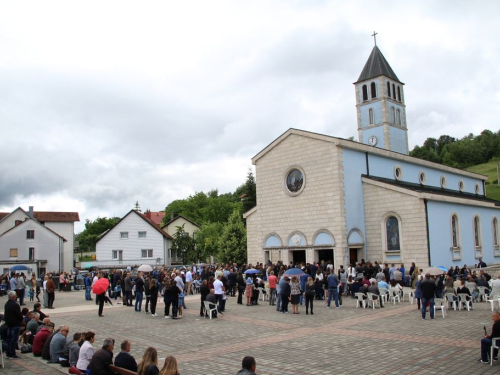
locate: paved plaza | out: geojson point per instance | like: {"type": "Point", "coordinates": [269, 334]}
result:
{"type": "Point", "coordinates": [393, 340]}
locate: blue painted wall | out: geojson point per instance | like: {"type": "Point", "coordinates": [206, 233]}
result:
{"type": "Point", "coordinates": [398, 140]}
{"type": "Point", "coordinates": [377, 132]}
{"type": "Point", "coordinates": [354, 165]}
{"type": "Point", "coordinates": [384, 167]}
{"type": "Point", "coordinates": [439, 214]}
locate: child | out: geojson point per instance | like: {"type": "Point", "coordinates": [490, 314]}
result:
{"type": "Point", "coordinates": [31, 293]}
{"type": "Point", "coordinates": [38, 292]}
{"type": "Point", "coordinates": [181, 303]}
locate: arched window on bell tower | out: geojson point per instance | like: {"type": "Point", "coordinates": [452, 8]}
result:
{"type": "Point", "coordinates": [388, 89]}
{"type": "Point", "coordinates": [365, 93]}
{"type": "Point", "coordinates": [399, 94]}
{"type": "Point", "coordinates": [373, 90]}
{"type": "Point", "coordinates": [371, 116]}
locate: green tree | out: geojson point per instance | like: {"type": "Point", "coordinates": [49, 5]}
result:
{"type": "Point", "coordinates": [233, 241]}
{"type": "Point", "coordinates": [249, 199]}
{"type": "Point", "coordinates": [87, 239]}
{"type": "Point", "coordinates": [184, 245]}
{"type": "Point", "coordinates": [208, 240]}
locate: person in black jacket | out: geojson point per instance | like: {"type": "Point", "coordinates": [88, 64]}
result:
{"type": "Point", "coordinates": [139, 290]}
{"type": "Point", "coordinates": [486, 340]}
{"type": "Point", "coordinates": [13, 319]}
{"type": "Point", "coordinates": [99, 364]}
{"type": "Point", "coordinates": [428, 288]}
{"type": "Point", "coordinates": [285, 295]}
{"type": "Point", "coordinates": [124, 359]}
{"type": "Point", "coordinates": [204, 292]}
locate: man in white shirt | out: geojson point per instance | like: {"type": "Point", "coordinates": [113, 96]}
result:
{"type": "Point", "coordinates": [219, 291]}
{"type": "Point", "coordinates": [189, 281]}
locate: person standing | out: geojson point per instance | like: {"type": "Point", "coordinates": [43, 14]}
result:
{"type": "Point", "coordinates": [309, 294]}
{"type": "Point", "coordinates": [101, 298]}
{"type": "Point", "coordinates": [51, 292]}
{"type": "Point", "coordinates": [139, 291]}
{"type": "Point", "coordinates": [295, 294]}
{"type": "Point", "coordinates": [128, 290]}
{"type": "Point", "coordinates": [189, 282]}
{"type": "Point", "coordinates": [285, 295]}
{"type": "Point", "coordinates": [333, 283]}
{"type": "Point", "coordinates": [88, 287]}
{"type": "Point", "coordinates": [219, 291]}
{"type": "Point", "coordinates": [428, 288]}
{"type": "Point", "coordinates": [240, 283]}
{"type": "Point", "coordinates": [21, 288]}
{"type": "Point", "coordinates": [153, 291]}
{"type": "Point", "coordinates": [204, 292]}
{"type": "Point", "coordinates": [13, 319]}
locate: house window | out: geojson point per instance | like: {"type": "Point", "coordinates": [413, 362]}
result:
{"type": "Point", "coordinates": [30, 234]}
{"type": "Point", "coordinates": [31, 253]}
{"type": "Point", "coordinates": [398, 117]}
{"type": "Point", "coordinates": [142, 234]}
{"type": "Point", "coordinates": [373, 90]}
{"type": "Point", "coordinates": [148, 253]}
{"type": "Point", "coordinates": [371, 116]}
{"type": "Point", "coordinates": [392, 234]}
{"type": "Point", "coordinates": [13, 253]}
{"type": "Point", "coordinates": [388, 89]}
{"type": "Point", "coordinates": [399, 93]}
{"type": "Point", "coordinates": [117, 255]}
{"type": "Point", "coordinates": [124, 235]}
{"type": "Point", "coordinates": [365, 93]}
{"type": "Point", "coordinates": [496, 243]}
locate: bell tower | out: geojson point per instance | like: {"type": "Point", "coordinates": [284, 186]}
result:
{"type": "Point", "coordinates": [380, 105]}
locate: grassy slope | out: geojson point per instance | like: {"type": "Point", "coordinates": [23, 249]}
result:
{"type": "Point", "coordinates": [489, 169]}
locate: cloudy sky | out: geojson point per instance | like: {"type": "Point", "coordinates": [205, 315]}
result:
{"type": "Point", "coordinates": [105, 103]}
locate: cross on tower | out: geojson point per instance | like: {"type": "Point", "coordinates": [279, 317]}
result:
{"type": "Point", "coordinates": [375, 37]}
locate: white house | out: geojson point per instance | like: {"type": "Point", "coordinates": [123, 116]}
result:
{"type": "Point", "coordinates": [170, 227]}
{"type": "Point", "coordinates": [134, 240]}
{"type": "Point", "coordinates": [42, 240]}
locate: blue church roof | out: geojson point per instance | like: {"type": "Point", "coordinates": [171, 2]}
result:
{"type": "Point", "coordinates": [376, 66]}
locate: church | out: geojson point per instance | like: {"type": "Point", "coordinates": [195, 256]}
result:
{"type": "Point", "coordinates": [321, 197]}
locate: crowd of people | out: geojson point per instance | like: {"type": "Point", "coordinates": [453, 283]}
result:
{"type": "Point", "coordinates": [293, 285]}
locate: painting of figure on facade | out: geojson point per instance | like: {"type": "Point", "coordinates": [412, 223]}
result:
{"type": "Point", "coordinates": [392, 233]}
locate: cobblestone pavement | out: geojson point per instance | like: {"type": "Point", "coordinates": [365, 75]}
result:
{"type": "Point", "coordinates": [350, 340]}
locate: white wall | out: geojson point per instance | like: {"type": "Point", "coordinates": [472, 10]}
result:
{"type": "Point", "coordinates": [66, 230]}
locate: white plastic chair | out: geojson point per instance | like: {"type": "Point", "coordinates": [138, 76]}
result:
{"type": "Point", "coordinates": [492, 299]}
{"type": "Point", "coordinates": [411, 296]}
{"type": "Point", "coordinates": [495, 344]}
{"type": "Point", "coordinates": [261, 293]}
{"type": "Point", "coordinates": [208, 309]}
{"type": "Point", "coordinates": [464, 299]}
{"type": "Point", "coordinates": [394, 295]}
{"type": "Point", "coordinates": [360, 300]}
{"type": "Point", "coordinates": [451, 299]}
{"type": "Point", "coordinates": [482, 293]}
{"type": "Point", "coordinates": [372, 299]}
{"type": "Point", "coordinates": [440, 303]}
{"type": "Point", "coordinates": [383, 294]}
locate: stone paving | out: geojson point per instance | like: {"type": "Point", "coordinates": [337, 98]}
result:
{"type": "Point", "coordinates": [350, 340]}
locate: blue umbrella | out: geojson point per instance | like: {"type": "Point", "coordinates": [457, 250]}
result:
{"type": "Point", "coordinates": [443, 268]}
{"type": "Point", "coordinates": [252, 270]}
{"type": "Point", "coordinates": [88, 265]}
{"type": "Point", "coordinates": [20, 268]}
{"type": "Point", "coordinates": [294, 272]}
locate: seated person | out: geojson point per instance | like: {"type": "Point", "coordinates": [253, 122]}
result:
{"type": "Point", "coordinates": [383, 284]}
{"type": "Point", "coordinates": [363, 289]}
{"type": "Point", "coordinates": [71, 346]}
{"type": "Point", "coordinates": [464, 290]}
{"type": "Point", "coordinates": [486, 340]}
{"type": "Point", "coordinates": [395, 286]}
{"type": "Point", "coordinates": [33, 324]}
{"type": "Point", "coordinates": [37, 308]}
{"type": "Point", "coordinates": [213, 302]}
{"type": "Point", "coordinates": [57, 344]}
{"type": "Point", "coordinates": [398, 276]}
{"type": "Point", "coordinates": [3, 335]}
{"type": "Point", "coordinates": [46, 346]}
{"type": "Point", "coordinates": [41, 338]}
{"type": "Point", "coordinates": [124, 359]}
{"type": "Point", "coordinates": [99, 364]}
{"type": "Point", "coordinates": [374, 289]}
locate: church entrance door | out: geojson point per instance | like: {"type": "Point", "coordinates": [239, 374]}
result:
{"type": "Point", "coordinates": [353, 255]}
{"type": "Point", "coordinates": [299, 256]}
{"type": "Point", "coordinates": [325, 255]}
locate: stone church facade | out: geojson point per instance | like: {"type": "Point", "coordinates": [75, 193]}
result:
{"type": "Point", "coordinates": [324, 198]}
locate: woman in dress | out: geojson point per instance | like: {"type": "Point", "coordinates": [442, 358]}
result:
{"type": "Point", "coordinates": [249, 291]}
{"type": "Point", "coordinates": [86, 352]}
{"type": "Point", "coordinates": [170, 366]}
{"type": "Point", "coordinates": [295, 294]}
{"type": "Point", "coordinates": [149, 363]}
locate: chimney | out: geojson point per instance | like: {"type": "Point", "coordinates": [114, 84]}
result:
{"type": "Point", "coordinates": [172, 215]}
{"type": "Point", "coordinates": [30, 212]}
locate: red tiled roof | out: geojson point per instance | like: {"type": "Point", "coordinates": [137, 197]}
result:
{"type": "Point", "coordinates": [155, 217]}
{"type": "Point", "coordinates": [51, 216]}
